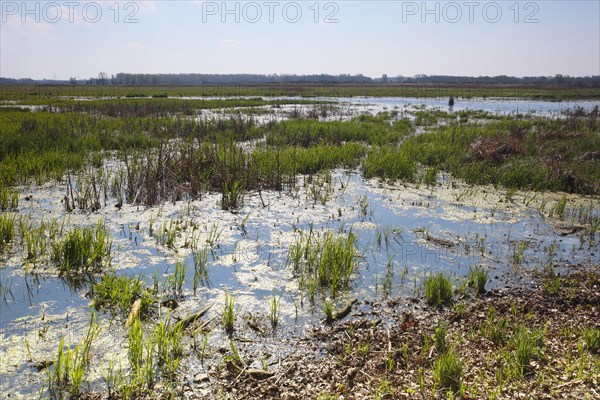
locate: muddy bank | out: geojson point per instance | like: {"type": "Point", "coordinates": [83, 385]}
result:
{"type": "Point", "coordinates": [391, 348]}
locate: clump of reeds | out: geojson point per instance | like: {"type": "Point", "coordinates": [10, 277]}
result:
{"type": "Point", "coordinates": [83, 250]}
{"type": "Point", "coordinates": [478, 278]}
{"type": "Point", "coordinates": [120, 293]}
{"type": "Point", "coordinates": [65, 377]}
{"type": "Point", "coordinates": [7, 230]}
{"type": "Point", "coordinates": [228, 314]}
{"type": "Point", "coordinates": [438, 289]}
{"type": "Point", "coordinates": [326, 261]}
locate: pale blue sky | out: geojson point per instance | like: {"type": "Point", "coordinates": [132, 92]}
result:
{"type": "Point", "coordinates": [372, 38]}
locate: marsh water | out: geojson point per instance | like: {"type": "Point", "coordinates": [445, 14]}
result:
{"type": "Point", "coordinates": [404, 232]}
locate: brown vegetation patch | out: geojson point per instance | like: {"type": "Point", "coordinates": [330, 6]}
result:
{"type": "Point", "coordinates": [496, 148]}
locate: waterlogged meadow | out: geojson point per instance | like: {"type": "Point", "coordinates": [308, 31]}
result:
{"type": "Point", "coordinates": [227, 247]}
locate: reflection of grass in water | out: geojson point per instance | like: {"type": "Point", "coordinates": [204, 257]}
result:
{"type": "Point", "coordinates": [6, 290]}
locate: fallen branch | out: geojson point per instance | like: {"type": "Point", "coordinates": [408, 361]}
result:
{"type": "Point", "coordinates": [575, 382]}
{"type": "Point", "coordinates": [259, 373]}
{"type": "Point", "coordinates": [190, 319]}
{"type": "Point", "coordinates": [343, 313]}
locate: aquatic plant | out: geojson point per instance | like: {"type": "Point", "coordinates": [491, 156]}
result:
{"type": "Point", "coordinates": [527, 345]}
{"type": "Point", "coordinates": [214, 235]}
{"type": "Point", "coordinates": [9, 199]}
{"type": "Point", "coordinates": [390, 163]}
{"type": "Point", "coordinates": [438, 289]}
{"type": "Point", "coordinates": [326, 261]}
{"type": "Point", "coordinates": [233, 360]}
{"type": "Point", "coordinates": [200, 268]}
{"type": "Point", "coordinates": [167, 234]}
{"type": "Point", "coordinates": [440, 338]}
{"type": "Point", "coordinates": [232, 196]}
{"type": "Point", "coordinates": [169, 348]}
{"type": "Point", "coordinates": [83, 250]}
{"type": "Point", "coordinates": [121, 293]}
{"type": "Point", "coordinates": [328, 310]}
{"type": "Point", "coordinates": [7, 230]}
{"type": "Point", "coordinates": [508, 152]}
{"type": "Point", "coordinates": [274, 309]}
{"type": "Point", "coordinates": [495, 328]}
{"type": "Point", "coordinates": [228, 314]}
{"type": "Point", "coordinates": [478, 277]}
{"type": "Point", "coordinates": [519, 251]}
{"type": "Point", "coordinates": [65, 378]}
{"type": "Point", "coordinates": [174, 282]}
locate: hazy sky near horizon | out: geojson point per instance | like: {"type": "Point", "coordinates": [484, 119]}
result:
{"type": "Point", "coordinates": [63, 39]}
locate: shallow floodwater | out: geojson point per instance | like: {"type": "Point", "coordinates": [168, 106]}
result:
{"type": "Point", "coordinates": [499, 106]}
{"type": "Point", "coordinates": [404, 233]}
{"type": "Point", "coordinates": [491, 105]}
{"type": "Point", "coordinates": [345, 108]}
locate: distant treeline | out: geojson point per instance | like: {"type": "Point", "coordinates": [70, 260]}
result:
{"type": "Point", "coordinates": [202, 79]}
{"type": "Point", "coordinates": [585, 81]}
{"type": "Point", "coordinates": [254, 79]}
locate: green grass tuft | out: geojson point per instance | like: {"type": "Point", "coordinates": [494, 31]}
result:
{"type": "Point", "coordinates": [83, 250]}
{"type": "Point", "coordinates": [438, 289]}
{"type": "Point", "coordinates": [447, 371]}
